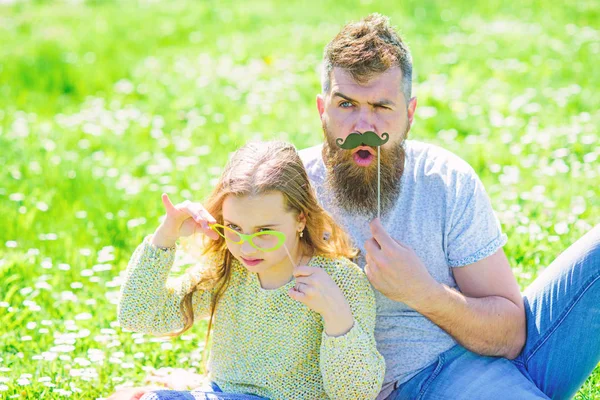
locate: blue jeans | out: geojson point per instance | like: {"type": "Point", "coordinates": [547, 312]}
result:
{"type": "Point", "coordinates": [212, 391]}
{"type": "Point", "coordinates": [563, 340]}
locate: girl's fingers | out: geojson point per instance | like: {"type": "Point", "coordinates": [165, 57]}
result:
{"type": "Point", "coordinates": [305, 280]}
{"type": "Point", "coordinates": [303, 270]}
{"type": "Point", "coordinates": [202, 219]}
{"type": "Point", "coordinates": [196, 211]}
{"type": "Point", "coordinates": [299, 287]}
{"type": "Point", "coordinates": [167, 203]}
{"type": "Point", "coordinates": [212, 234]}
{"type": "Point", "coordinates": [191, 210]}
{"type": "Point", "coordinates": [206, 215]}
{"type": "Point", "coordinates": [297, 295]}
{"type": "Point", "coordinates": [200, 214]}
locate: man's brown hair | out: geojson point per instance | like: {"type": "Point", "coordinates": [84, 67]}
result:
{"type": "Point", "coordinates": [365, 49]}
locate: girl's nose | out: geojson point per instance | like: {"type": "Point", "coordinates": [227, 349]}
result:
{"type": "Point", "coordinates": [247, 249]}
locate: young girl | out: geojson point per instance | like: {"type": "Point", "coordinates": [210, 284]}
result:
{"type": "Point", "coordinates": [291, 316]}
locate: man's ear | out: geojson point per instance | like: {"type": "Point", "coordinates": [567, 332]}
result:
{"type": "Point", "coordinates": [320, 105]}
{"type": "Point", "coordinates": [412, 106]}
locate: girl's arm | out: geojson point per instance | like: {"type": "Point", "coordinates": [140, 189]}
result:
{"type": "Point", "coordinates": [150, 302]}
{"type": "Point", "coordinates": [350, 364]}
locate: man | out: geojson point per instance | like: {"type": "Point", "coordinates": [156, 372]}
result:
{"type": "Point", "coordinates": [452, 322]}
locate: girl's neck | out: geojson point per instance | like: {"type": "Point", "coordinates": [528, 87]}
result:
{"type": "Point", "coordinates": [282, 273]}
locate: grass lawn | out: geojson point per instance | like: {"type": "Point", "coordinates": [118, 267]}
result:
{"type": "Point", "coordinates": [104, 105]}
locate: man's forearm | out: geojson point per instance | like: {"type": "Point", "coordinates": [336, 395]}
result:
{"type": "Point", "coordinates": [492, 326]}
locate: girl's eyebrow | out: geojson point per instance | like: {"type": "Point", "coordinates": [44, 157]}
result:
{"type": "Point", "coordinates": [260, 226]}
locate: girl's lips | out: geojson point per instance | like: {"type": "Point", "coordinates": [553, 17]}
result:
{"type": "Point", "coordinates": [251, 262]}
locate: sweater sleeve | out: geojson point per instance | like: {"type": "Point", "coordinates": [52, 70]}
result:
{"type": "Point", "coordinates": [150, 302]}
{"type": "Point", "coordinates": [351, 366]}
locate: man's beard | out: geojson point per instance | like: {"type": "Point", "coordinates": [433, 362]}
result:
{"type": "Point", "coordinates": [355, 187]}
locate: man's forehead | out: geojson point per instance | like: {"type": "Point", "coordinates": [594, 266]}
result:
{"type": "Point", "coordinates": [388, 82]}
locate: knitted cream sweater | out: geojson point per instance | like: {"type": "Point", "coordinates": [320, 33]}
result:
{"type": "Point", "coordinates": [264, 342]}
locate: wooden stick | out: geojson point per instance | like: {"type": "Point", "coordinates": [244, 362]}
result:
{"type": "Point", "coordinates": [378, 184]}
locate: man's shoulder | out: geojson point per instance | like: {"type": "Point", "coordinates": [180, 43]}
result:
{"type": "Point", "coordinates": [311, 155]}
{"type": "Point", "coordinates": [341, 269]}
{"type": "Point", "coordinates": [313, 161]}
{"type": "Point", "coordinates": [429, 160]}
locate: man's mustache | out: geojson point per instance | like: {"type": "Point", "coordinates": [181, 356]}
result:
{"type": "Point", "coordinates": [368, 138]}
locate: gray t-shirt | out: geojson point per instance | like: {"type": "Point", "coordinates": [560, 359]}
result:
{"type": "Point", "coordinates": [444, 214]}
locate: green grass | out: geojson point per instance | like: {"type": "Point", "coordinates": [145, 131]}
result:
{"type": "Point", "coordinates": [105, 104]}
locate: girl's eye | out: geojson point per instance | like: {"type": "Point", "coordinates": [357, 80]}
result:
{"type": "Point", "coordinates": [264, 229]}
{"type": "Point", "coordinates": [234, 227]}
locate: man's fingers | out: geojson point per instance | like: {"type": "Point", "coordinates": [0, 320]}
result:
{"type": "Point", "coordinates": [372, 246]}
{"type": "Point", "coordinates": [379, 233]}
{"type": "Point", "coordinates": [371, 268]}
{"type": "Point", "coordinates": [399, 243]}
{"type": "Point", "coordinates": [371, 262]}
{"type": "Point", "coordinates": [369, 272]}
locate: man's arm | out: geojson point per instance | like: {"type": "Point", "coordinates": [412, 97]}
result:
{"type": "Point", "coordinates": [487, 317]}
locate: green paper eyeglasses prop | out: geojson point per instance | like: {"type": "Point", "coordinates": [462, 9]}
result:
{"type": "Point", "coordinates": [262, 241]}
{"type": "Point", "coordinates": [368, 138]}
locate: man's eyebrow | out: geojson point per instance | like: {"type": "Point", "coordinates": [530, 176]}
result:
{"type": "Point", "coordinates": [343, 96]}
{"type": "Point", "coordinates": [382, 102]}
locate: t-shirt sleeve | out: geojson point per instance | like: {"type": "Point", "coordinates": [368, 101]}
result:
{"type": "Point", "coordinates": [473, 231]}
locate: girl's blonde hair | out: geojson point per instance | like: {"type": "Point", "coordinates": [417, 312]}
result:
{"type": "Point", "coordinates": [255, 169]}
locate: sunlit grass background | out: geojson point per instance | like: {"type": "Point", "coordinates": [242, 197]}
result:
{"type": "Point", "coordinates": [104, 105]}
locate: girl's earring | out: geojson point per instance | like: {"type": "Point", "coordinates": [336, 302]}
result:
{"type": "Point", "coordinates": [301, 233]}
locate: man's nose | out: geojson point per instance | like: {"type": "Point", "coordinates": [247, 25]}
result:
{"type": "Point", "coordinates": [365, 121]}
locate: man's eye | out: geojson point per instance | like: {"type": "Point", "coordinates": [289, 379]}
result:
{"type": "Point", "coordinates": [345, 104]}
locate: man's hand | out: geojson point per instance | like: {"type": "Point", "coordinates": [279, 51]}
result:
{"type": "Point", "coordinates": [491, 322]}
{"type": "Point", "coordinates": [395, 270]}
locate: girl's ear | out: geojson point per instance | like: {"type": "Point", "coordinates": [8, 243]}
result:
{"type": "Point", "coordinates": [301, 221]}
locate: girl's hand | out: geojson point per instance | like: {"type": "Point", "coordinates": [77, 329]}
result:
{"type": "Point", "coordinates": [183, 219]}
{"type": "Point", "coordinates": [317, 290]}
